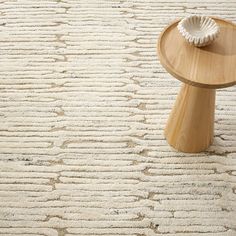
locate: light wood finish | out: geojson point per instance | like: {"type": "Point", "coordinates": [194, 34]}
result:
{"type": "Point", "coordinates": [190, 126]}
{"type": "Point", "coordinates": [213, 66]}
{"type": "Point", "coordinates": [191, 123]}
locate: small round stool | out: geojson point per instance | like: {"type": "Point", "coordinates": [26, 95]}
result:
{"type": "Point", "coordinates": [190, 127]}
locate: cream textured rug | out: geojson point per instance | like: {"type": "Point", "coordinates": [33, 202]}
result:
{"type": "Point", "coordinates": [83, 105]}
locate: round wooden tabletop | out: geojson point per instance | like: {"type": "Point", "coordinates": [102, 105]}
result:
{"type": "Point", "coordinates": [212, 66]}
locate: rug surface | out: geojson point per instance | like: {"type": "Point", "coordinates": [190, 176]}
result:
{"type": "Point", "coordinates": [83, 105]}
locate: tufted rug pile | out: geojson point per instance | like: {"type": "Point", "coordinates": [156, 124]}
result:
{"type": "Point", "coordinates": [83, 105]}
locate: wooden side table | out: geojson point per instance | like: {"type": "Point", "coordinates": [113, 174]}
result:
{"type": "Point", "coordinates": [190, 127]}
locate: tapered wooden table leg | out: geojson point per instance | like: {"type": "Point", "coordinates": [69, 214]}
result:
{"type": "Point", "coordinates": [190, 127]}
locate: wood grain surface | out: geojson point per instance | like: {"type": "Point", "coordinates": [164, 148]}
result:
{"type": "Point", "coordinates": [212, 66]}
{"type": "Point", "coordinates": [190, 127]}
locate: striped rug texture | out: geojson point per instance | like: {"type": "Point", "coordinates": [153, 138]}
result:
{"type": "Point", "coordinates": [83, 105]}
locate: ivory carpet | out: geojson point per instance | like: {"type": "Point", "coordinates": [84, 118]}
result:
{"type": "Point", "coordinates": [83, 105]}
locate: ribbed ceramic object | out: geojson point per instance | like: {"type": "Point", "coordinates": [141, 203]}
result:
{"type": "Point", "coordinates": [198, 30]}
